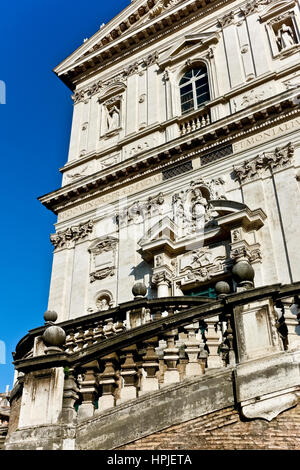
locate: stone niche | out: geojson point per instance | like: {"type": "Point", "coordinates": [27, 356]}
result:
{"type": "Point", "coordinates": [103, 253]}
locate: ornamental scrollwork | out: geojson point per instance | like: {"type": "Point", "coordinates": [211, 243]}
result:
{"type": "Point", "coordinates": [269, 160]}
{"type": "Point", "coordinates": [72, 234]}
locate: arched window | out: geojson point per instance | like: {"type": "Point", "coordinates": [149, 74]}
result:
{"type": "Point", "coordinates": [194, 89]}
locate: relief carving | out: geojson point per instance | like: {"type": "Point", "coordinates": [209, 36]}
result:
{"type": "Point", "coordinates": [103, 258]}
{"type": "Point", "coordinates": [202, 265]}
{"type": "Point", "coordinates": [161, 6]}
{"type": "Point", "coordinates": [269, 160]}
{"type": "Point", "coordinates": [66, 238]}
{"type": "Point", "coordinates": [191, 208]}
{"type": "Point", "coordinates": [139, 212]}
{"type": "Point", "coordinates": [226, 20]}
{"type": "Point", "coordinates": [151, 59]}
{"type": "Point", "coordinates": [102, 274]}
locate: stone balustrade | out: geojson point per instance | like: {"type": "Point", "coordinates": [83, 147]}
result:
{"type": "Point", "coordinates": [145, 345]}
{"type": "Point", "coordinates": [198, 121]}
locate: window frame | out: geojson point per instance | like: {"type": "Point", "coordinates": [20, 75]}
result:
{"type": "Point", "coordinates": [193, 81]}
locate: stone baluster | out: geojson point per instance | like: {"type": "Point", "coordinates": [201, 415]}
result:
{"type": "Point", "coordinates": [156, 311]}
{"type": "Point", "coordinates": [192, 349]}
{"type": "Point", "coordinates": [88, 390]}
{"type": "Point", "coordinates": [229, 337]}
{"type": "Point", "coordinates": [213, 341]}
{"type": "Point", "coordinates": [150, 366]}
{"type": "Point", "coordinates": [108, 382]}
{"type": "Point", "coordinates": [203, 348]}
{"type": "Point", "coordinates": [70, 396]}
{"type": "Point", "coordinates": [129, 375]}
{"type": "Point", "coordinates": [119, 327]}
{"type": "Point", "coordinates": [80, 338]}
{"type": "Point", "coordinates": [71, 342]}
{"type": "Point", "coordinates": [109, 329]}
{"type": "Point", "coordinates": [89, 336]}
{"type": "Point", "coordinates": [171, 357]}
{"type": "Point", "coordinates": [98, 334]}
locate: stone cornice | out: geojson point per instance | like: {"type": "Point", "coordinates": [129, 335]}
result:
{"type": "Point", "coordinates": [218, 133]}
{"type": "Point", "coordinates": [70, 71]}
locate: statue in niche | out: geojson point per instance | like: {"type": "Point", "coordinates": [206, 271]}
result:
{"type": "Point", "coordinates": [199, 207]}
{"type": "Point", "coordinates": [285, 37]}
{"type": "Point", "coordinates": [102, 304]}
{"type": "Point", "coordinates": [113, 118]}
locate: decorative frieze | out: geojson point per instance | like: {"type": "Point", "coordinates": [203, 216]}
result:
{"type": "Point", "coordinates": [268, 160]}
{"type": "Point", "coordinates": [72, 234]}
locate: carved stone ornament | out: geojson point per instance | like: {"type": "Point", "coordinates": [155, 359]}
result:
{"type": "Point", "coordinates": [78, 173]}
{"type": "Point", "coordinates": [161, 6]}
{"type": "Point", "coordinates": [72, 234]}
{"type": "Point", "coordinates": [138, 212]}
{"type": "Point", "coordinates": [131, 70]}
{"type": "Point", "coordinates": [78, 96]}
{"type": "Point", "coordinates": [270, 160]}
{"type": "Point", "coordinates": [98, 87]}
{"type": "Point", "coordinates": [151, 59]}
{"type": "Point", "coordinates": [102, 273]}
{"type": "Point", "coordinates": [107, 244]}
{"type": "Point", "coordinates": [191, 208]}
{"type": "Point", "coordinates": [202, 265]}
{"type": "Point", "coordinates": [253, 6]}
{"type": "Point", "coordinates": [226, 20]}
{"type": "Point", "coordinates": [240, 253]}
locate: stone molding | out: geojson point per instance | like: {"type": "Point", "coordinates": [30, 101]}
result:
{"type": "Point", "coordinates": [250, 169]}
{"type": "Point", "coordinates": [68, 237]}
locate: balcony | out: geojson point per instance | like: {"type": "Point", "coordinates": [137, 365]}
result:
{"type": "Point", "coordinates": [196, 121]}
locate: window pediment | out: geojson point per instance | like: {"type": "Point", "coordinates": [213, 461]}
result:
{"type": "Point", "coordinates": [188, 45]}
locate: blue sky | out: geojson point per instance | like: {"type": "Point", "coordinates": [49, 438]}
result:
{"type": "Point", "coordinates": [35, 128]}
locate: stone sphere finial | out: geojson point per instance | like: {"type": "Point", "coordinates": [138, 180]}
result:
{"type": "Point", "coordinates": [222, 289]}
{"type": "Point", "coordinates": [54, 336]}
{"type": "Point", "coordinates": [50, 316]}
{"type": "Point", "coordinates": [243, 271]}
{"type": "Point", "coordinates": [139, 290]}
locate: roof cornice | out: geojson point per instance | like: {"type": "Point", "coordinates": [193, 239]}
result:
{"type": "Point", "coordinates": [105, 46]}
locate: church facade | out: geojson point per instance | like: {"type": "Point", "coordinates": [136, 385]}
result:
{"type": "Point", "coordinates": [176, 264]}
